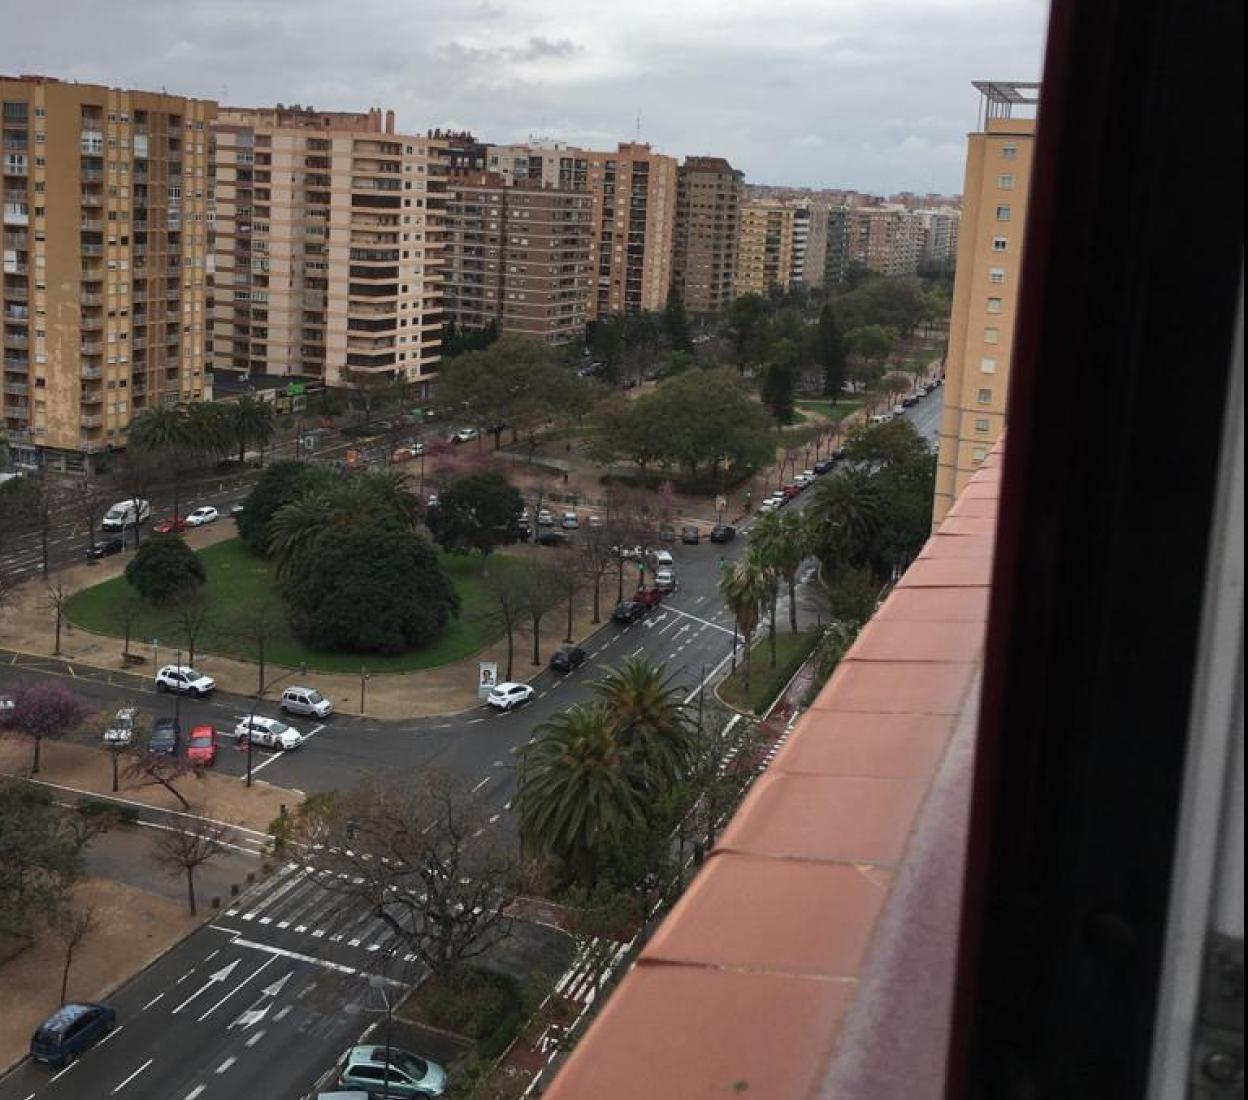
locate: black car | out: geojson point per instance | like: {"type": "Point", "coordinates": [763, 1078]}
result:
{"type": "Point", "coordinates": [667, 533]}
{"type": "Point", "coordinates": [840, 452]}
{"type": "Point", "coordinates": [567, 658]}
{"type": "Point", "coordinates": [690, 535]}
{"type": "Point", "coordinates": [824, 465]}
{"type": "Point", "coordinates": [69, 1031]}
{"type": "Point", "coordinates": [165, 737]}
{"type": "Point", "coordinates": [628, 611]}
{"type": "Point", "coordinates": [102, 548]}
{"type": "Point", "coordinates": [723, 532]}
{"type": "Point", "coordinates": [550, 536]}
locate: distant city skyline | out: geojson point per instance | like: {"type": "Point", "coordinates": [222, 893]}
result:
{"type": "Point", "coordinates": [818, 93]}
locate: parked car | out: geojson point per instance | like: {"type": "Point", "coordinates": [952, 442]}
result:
{"type": "Point", "coordinates": [824, 465]}
{"type": "Point", "coordinates": [770, 505]}
{"type": "Point", "coordinates": [102, 548]}
{"type": "Point", "coordinates": [238, 508]}
{"type": "Point", "coordinates": [802, 480]}
{"type": "Point", "coordinates": [268, 733]}
{"type": "Point", "coordinates": [70, 1030]}
{"type": "Point", "coordinates": [899, 410]}
{"type": "Point", "coordinates": [628, 611]}
{"type": "Point", "coordinates": [169, 526]}
{"type": "Point", "coordinates": [790, 490]}
{"type": "Point", "coordinates": [306, 701]}
{"type": "Point", "coordinates": [126, 513]}
{"type": "Point", "coordinates": [507, 695]}
{"type": "Point", "coordinates": [597, 521]}
{"type": "Point", "coordinates": [545, 518]}
{"type": "Point", "coordinates": [165, 737]}
{"type": "Point", "coordinates": [667, 533]}
{"type": "Point", "coordinates": [665, 580]}
{"type": "Point", "coordinates": [391, 1072]}
{"type": "Point", "coordinates": [910, 400]}
{"type": "Point", "coordinates": [184, 679]}
{"type": "Point", "coordinates": [662, 559]}
{"type": "Point", "coordinates": [201, 746]}
{"type": "Point", "coordinates": [120, 730]}
{"type": "Point", "coordinates": [568, 658]}
{"type": "Point", "coordinates": [201, 516]}
{"type": "Point", "coordinates": [551, 537]}
{"type": "Point", "coordinates": [465, 435]}
{"type": "Point", "coordinates": [881, 418]}
{"type": "Point", "coordinates": [690, 535]}
{"type": "Point", "coordinates": [570, 522]}
{"type": "Point", "coordinates": [840, 453]}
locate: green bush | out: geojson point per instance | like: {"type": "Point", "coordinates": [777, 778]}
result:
{"type": "Point", "coordinates": [486, 1007]}
{"type": "Point", "coordinates": [164, 569]}
{"type": "Point", "coordinates": [278, 486]}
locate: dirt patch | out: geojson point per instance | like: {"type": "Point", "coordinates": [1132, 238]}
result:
{"type": "Point", "coordinates": [134, 928]}
{"type": "Point", "coordinates": [224, 797]}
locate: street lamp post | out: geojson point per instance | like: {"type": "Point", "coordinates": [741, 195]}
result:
{"type": "Point", "coordinates": [377, 983]}
{"type": "Point", "coordinates": [177, 695]}
{"type": "Point", "coordinates": [302, 670]}
{"type": "Point", "coordinates": [363, 683]}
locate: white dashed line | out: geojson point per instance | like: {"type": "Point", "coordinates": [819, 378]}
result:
{"type": "Point", "coordinates": [226, 1064]}
{"type": "Point", "coordinates": [481, 784]}
{"type": "Point", "coordinates": [133, 1076]}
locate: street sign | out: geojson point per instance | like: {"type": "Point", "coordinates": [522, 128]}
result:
{"type": "Point", "coordinates": [487, 678]}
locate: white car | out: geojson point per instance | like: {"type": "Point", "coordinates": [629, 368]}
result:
{"type": "Point", "coordinates": [881, 418]}
{"type": "Point", "coordinates": [665, 580]}
{"type": "Point", "coordinates": [899, 410]}
{"type": "Point", "coordinates": [596, 521]}
{"type": "Point", "coordinates": [121, 730]}
{"type": "Point", "coordinates": [200, 516]}
{"type": "Point", "coordinates": [802, 480]}
{"type": "Point", "coordinates": [465, 435]}
{"type": "Point", "coordinates": [184, 679]}
{"type": "Point", "coordinates": [508, 695]}
{"type": "Point", "coordinates": [306, 701]}
{"type": "Point", "coordinates": [545, 518]}
{"type": "Point", "coordinates": [268, 733]}
{"type": "Point", "coordinates": [662, 559]}
{"type": "Point", "coordinates": [570, 522]}
{"type": "Point", "coordinates": [769, 505]}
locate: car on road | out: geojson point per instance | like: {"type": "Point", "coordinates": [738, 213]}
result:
{"type": "Point", "coordinates": [306, 701]}
{"type": "Point", "coordinates": [649, 597]}
{"type": "Point", "coordinates": [690, 535]}
{"type": "Point", "coordinates": [569, 522]}
{"type": "Point", "coordinates": [665, 580]}
{"type": "Point", "coordinates": [723, 532]}
{"type": "Point", "coordinates": [268, 733]}
{"type": "Point", "coordinates": [7, 704]}
{"type": "Point", "coordinates": [628, 611]}
{"type": "Point", "coordinates": [202, 516]}
{"type": "Point", "coordinates": [392, 1072]}
{"type": "Point", "coordinates": [662, 559]}
{"type": "Point", "coordinates": [165, 737]}
{"type": "Point", "coordinates": [791, 490]}
{"type": "Point", "coordinates": [910, 400]}
{"type": "Point", "coordinates": [881, 418]}
{"type": "Point", "coordinates": [770, 505]}
{"type": "Point", "coordinates": [506, 695]}
{"type": "Point", "coordinates": [238, 508]}
{"type": "Point", "coordinates": [184, 679]}
{"type": "Point", "coordinates": [899, 410]}
{"type": "Point", "coordinates": [169, 526]}
{"type": "Point", "coordinates": [552, 537]}
{"type": "Point", "coordinates": [545, 518]}
{"type": "Point", "coordinates": [824, 465]}
{"type": "Point", "coordinates": [568, 658]}
{"type": "Point", "coordinates": [465, 435]}
{"type": "Point", "coordinates": [667, 533]}
{"type": "Point", "coordinates": [432, 501]}
{"type": "Point", "coordinates": [596, 521]}
{"type": "Point", "coordinates": [126, 513]}
{"type": "Point", "coordinates": [120, 730]}
{"type": "Point", "coordinates": [803, 479]}
{"type": "Point", "coordinates": [201, 746]}
{"type": "Point", "coordinates": [628, 553]}
{"type": "Point", "coordinates": [102, 548]}
{"type": "Point", "coordinates": [70, 1030]}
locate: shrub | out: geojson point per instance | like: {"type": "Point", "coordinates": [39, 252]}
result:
{"type": "Point", "coordinates": [164, 569]}
{"type": "Point", "coordinates": [278, 486]}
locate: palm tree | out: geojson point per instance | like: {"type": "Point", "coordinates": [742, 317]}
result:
{"type": "Point", "coordinates": [251, 421]}
{"type": "Point", "coordinates": [745, 588]}
{"type": "Point", "coordinates": [163, 430]}
{"type": "Point", "coordinates": [782, 541]}
{"type": "Point", "coordinates": [575, 789]}
{"type": "Point", "coordinates": [209, 430]}
{"type": "Point", "coordinates": [650, 721]}
{"type": "Point", "coordinates": [844, 516]}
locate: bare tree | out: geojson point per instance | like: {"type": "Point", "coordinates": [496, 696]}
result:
{"type": "Point", "coordinates": [146, 769]}
{"type": "Point", "coordinates": [509, 600]}
{"type": "Point", "coordinates": [186, 848]}
{"type": "Point", "coordinates": [55, 600]}
{"type": "Point", "coordinates": [48, 500]}
{"type": "Point", "coordinates": [127, 611]}
{"type": "Point", "coordinates": [90, 503]}
{"type": "Point", "coordinates": [417, 852]}
{"type": "Point", "coordinates": [139, 474]}
{"type": "Point", "coordinates": [71, 926]}
{"type": "Point", "coordinates": [193, 615]}
{"type": "Point", "coordinates": [571, 569]}
{"type": "Point", "coordinates": [597, 555]}
{"type": "Point", "coordinates": [257, 628]}
{"type": "Point", "coordinates": [541, 591]}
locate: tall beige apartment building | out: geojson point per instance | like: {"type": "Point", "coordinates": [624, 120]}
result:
{"type": "Point", "coordinates": [814, 269]}
{"type": "Point", "coordinates": [517, 256]}
{"type": "Point", "coordinates": [709, 197]}
{"type": "Point", "coordinates": [329, 245]}
{"type": "Point", "coordinates": [886, 240]}
{"type": "Point", "coordinates": [105, 262]}
{"type": "Point", "coordinates": [766, 247]}
{"type": "Point", "coordinates": [985, 289]}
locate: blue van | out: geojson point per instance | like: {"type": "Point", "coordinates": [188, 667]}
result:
{"type": "Point", "coordinates": [69, 1031]}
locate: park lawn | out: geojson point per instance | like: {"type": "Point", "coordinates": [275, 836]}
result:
{"type": "Point", "coordinates": [238, 583]}
{"type": "Point", "coordinates": [837, 412]}
{"type": "Point", "coordinates": [767, 682]}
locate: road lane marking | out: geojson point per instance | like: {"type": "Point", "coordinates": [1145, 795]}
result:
{"type": "Point", "coordinates": [151, 1002]}
{"type": "Point", "coordinates": [194, 1092]}
{"type": "Point", "coordinates": [696, 619]}
{"type": "Point", "coordinates": [481, 784]}
{"type": "Point", "coordinates": [236, 989]}
{"type": "Point", "coordinates": [133, 1076]}
{"type": "Point", "coordinates": [282, 1012]}
{"type": "Point", "coordinates": [639, 650]}
{"type": "Point", "coordinates": [218, 976]}
{"type": "Point", "coordinates": [255, 1039]}
{"type": "Point", "coordinates": [64, 1071]}
{"type": "Point", "coordinates": [281, 952]}
{"type": "Point", "coordinates": [709, 677]}
{"type": "Point", "coordinates": [226, 1064]}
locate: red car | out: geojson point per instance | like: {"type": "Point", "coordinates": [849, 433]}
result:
{"type": "Point", "coordinates": [169, 526]}
{"type": "Point", "coordinates": [790, 491]}
{"type": "Point", "coordinates": [648, 597]}
{"type": "Point", "coordinates": [201, 746]}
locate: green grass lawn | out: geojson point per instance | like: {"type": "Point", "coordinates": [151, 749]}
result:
{"type": "Point", "coordinates": [238, 583]}
{"type": "Point", "coordinates": [767, 682]}
{"type": "Point", "coordinates": [833, 412]}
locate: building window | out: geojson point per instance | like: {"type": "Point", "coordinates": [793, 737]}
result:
{"type": "Point", "coordinates": [1003, 213]}
{"type": "Point", "coordinates": [984, 397]}
{"type": "Point", "coordinates": [994, 305]}
{"type": "Point", "coordinates": [1005, 181]}
{"type": "Point", "coordinates": [978, 454]}
{"type": "Point", "coordinates": [999, 244]}
{"type": "Point", "coordinates": [992, 335]}
{"type": "Point", "coordinates": [987, 366]}
{"type": "Point", "coordinates": [996, 274]}
{"type": "Point", "coordinates": [981, 425]}
{"type": "Point", "coordinates": [1009, 151]}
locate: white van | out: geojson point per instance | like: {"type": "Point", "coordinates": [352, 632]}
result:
{"type": "Point", "coordinates": [126, 513]}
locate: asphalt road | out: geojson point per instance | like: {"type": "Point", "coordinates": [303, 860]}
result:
{"type": "Point", "coordinates": [287, 942]}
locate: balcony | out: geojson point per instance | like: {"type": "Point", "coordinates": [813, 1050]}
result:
{"type": "Point", "coordinates": [91, 420]}
{"type": "Point", "coordinates": [16, 340]}
{"type": "Point", "coordinates": [92, 397]}
{"type": "Point", "coordinates": [91, 250]}
{"type": "Point", "coordinates": [91, 347]}
{"type": "Point", "coordinates": [92, 324]}
{"type": "Point", "coordinates": [92, 199]}
{"type": "Point", "coordinates": [17, 389]}
{"type": "Point", "coordinates": [90, 374]}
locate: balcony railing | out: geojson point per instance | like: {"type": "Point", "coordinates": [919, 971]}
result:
{"type": "Point", "coordinates": [91, 420]}
{"type": "Point", "coordinates": [92, 373]}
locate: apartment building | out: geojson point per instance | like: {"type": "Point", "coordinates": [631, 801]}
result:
{"type": "Point", "coordinates": [105, 262]}
{"type": "Point", "coordinates": [801, 241]}
{"type": "Point", "coordinates": [540, 163]}
{"type": "Point", "coordinates": [985, 289]}
{"type": "Point", "coordinates": [836, 252]}
{"type": "Point", "coordinates": [328, 246]}
{"type": "Point", "coordinates": [519, 256]}
{"type": "Point", "coordinates": [765, 247]}
{"type": "Point", "coordinates": [709, 196]}
{"type": "Point", "coordinates": [938, 237]}
{"type": "Point", "coordinates": [885, 240]}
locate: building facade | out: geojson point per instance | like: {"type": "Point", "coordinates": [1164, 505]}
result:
{"type": "Point", "coordinates": [517, 256]}
{"type": "Point", "coordinates": [709, 196]}
{"type": "Point", "coordinates": [985, 288]}
{"type": "Point", "coordinates": [106, 262]}
{"type": "Point", "coordinates": [938, 237]}
{"type": "Point", "coordinates": [765, 247]}
{"type": "Point", "coordinates": [886, 240]}
{"type": "Point", "coordinates": [328, 247]}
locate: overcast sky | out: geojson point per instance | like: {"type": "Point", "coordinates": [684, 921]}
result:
{"type": "Point", "coordinates": [867, 94]}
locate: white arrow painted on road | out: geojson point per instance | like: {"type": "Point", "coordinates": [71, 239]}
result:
{"type": "Point", "coordinates": [648, 623]}
{"type": "Point", "coordinates": [219, 976]}
{"type": "Point", "coordinates": [255, 1014]}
